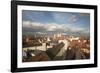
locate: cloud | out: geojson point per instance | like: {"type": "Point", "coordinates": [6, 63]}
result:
{"type": "Point", "coordinates": [60, 17]}
{"type": "Point", "coordinates": [32, 15]}
{"type": "Point", "coordinates": [37, 27]}
{"type": "Point", "coordinates": [45, 27]}
{"type": "Point", "coordinates": [34, 25]}
{"type": "Point", "coordinates": [73, 18]}
{"type": "Point", "coordinates": [64, 17]}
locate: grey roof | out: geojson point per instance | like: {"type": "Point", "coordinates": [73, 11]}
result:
{"type": "Point", "coordinates": [52, 52]}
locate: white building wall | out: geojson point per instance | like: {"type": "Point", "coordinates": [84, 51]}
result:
{"type": "Point", "coordinates": [66, 42]}
{"type": "Point", "coordinates": [42, 48]}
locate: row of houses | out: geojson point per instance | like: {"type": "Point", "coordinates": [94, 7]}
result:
{"type": "Point", "coordinates": [56, 49]}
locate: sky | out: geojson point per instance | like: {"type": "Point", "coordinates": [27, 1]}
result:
{"type": "Point", "coordinates": [43, 22]}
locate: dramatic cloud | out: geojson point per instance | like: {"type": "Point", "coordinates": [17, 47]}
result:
{"type": "Point", "coordinates": [43, 27]}
{"type": "Point", "coordinates": [40, 28]}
